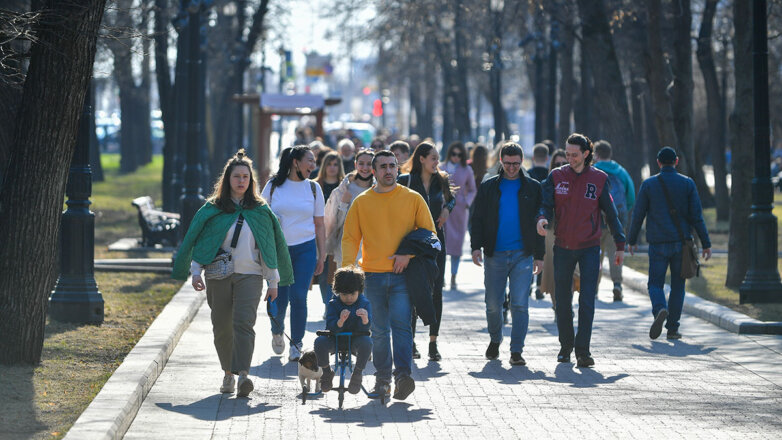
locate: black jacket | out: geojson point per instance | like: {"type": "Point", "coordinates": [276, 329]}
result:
{"type": "Point", "coordinates": [422, 271]}
{"type": "Point", "coordinates": [435, 198]}
{"type": "Point", "coordinates": [485, 218]}
{"type": "Point", "coordinates": [538, 173]}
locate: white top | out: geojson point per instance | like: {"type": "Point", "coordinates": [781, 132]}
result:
{"type": "Point", "coordinates": [246, 256]}
{"type": "Point", "coordinates": [295, 207]}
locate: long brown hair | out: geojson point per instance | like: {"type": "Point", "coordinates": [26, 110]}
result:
{"type": "Point", "coordinates": [557, 153]}
{"type": "Point", "coordinates": [413, 166]}
{"type": "Point", "coordinates": [330, 156]}
{"type": "Point", "coordinates": [460, 147]}
{"type": "Point", "coordinates": [478, 161]}
{"type": "Point", "coordinates": [221, 193]}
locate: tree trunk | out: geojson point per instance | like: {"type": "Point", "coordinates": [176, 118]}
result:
{"type": "Point", "coordinates": [681, 99]}
{"type": "Point", "coordinates": [461, 93]}
{"type": "Point", "coordinates": [166, 98]}
{"type": "Point", "coordinates": [714, 111]}
{"type": "Point", "coordinates": [540, 97]}
{"type": "Point", "coordinates": [656, 64]}
{"type": "Point", "coordinates": [567, 83]}
{"type": "Point", "coordinates": [742, 145]}
{"type": "Point", "coordinates": [582, 114]}
{"type": "Point", "coordinates": [613, 111]}
{"type": "Point", "coordinates": [54, 90]}
{"type": "Point", "coordinates": [95, 165]}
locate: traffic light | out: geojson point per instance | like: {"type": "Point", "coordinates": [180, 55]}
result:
{"type": "Point", "coordinates": [377, 108]}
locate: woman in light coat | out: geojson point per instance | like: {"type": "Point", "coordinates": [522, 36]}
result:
{"type": "Point", "coordinates": [461, 177]}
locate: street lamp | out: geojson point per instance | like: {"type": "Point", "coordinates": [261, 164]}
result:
{"type": "Point", "coordinates": [761, 283]}
{"type": "Point", "coordinates": [76, 297]}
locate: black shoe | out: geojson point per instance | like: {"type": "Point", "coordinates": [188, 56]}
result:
{"type": "Point", "coordinates": [516, 359]}
{"type": "Point", "coordinates": [404, 386]}
{"type": "Point", "coordinates": [434, 355]}
{"type": "Point", "coordinates": [493, 352]}
{"type": "Point", "coordinates": [382, 389]}
{"type": "Point", "coordinates": [355, 382]}
{"type": "Point", "coordinates": [657, 325]}
{"type": "Point", "coordinates": [326, 380]}
{"type": "Point", "coordinates": [674, 335]}
{"type": "Point", "coordinates": [504, 315]}
{"type": "Point", "coordinates": [538, 294]}
{"type": "Point", "coordinates": [564, 355]}
{"type": "Point", "coordinates": [618, 297]}
{"type": "Point", "coordinates": [585, 361]}
{"type": "Point", "coordinates": [416, 354]}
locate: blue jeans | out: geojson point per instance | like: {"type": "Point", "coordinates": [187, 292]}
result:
{"type": "Point", "coordinates": [323, 281]}
{"type": "Point", "coordinates": [391, 309]}
{"type": "Point", "coordinates": [304, 257]}
{"type": "Point", "coordinates": [516, 268]}
{"type": "Point", "coordinates": [662, 255]}
{"type": "Point", "coordinates": [455, 264]}
{"type": "Point", "coordinates": [564, 264]}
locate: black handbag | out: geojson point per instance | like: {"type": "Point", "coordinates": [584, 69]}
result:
{"type": "Point", "coordinates": [690, 265]}
{"type": "Point", "coordinates": [223, 265]}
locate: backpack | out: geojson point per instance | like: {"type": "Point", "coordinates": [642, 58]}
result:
{"type": "Point", "coordinates": [617, 191]}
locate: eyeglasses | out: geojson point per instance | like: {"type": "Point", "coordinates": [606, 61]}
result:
{"type": "Point", "coordinates": [511, 164]}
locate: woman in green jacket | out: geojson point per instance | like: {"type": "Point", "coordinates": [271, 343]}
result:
{"type": "Point", "coordinates": [260, 252]}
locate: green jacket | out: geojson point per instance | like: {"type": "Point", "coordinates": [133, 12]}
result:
{"type": "Point", "coordinates": [207, 233]}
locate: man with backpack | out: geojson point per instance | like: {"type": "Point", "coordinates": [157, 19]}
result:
{"type": "Point", "coordinates": [669, 201]}
{"type": "Point", "coordinates": [622, 191]}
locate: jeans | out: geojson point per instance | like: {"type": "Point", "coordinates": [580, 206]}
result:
{"type": "Point", "coordinates": [455, 264]}
{"type": "Point", "coordinates": [500, 268]}
{"type": "Point", "coordinates": [391, 309]}
{"type": "Point", "coordinates": [360, 346]}
{"type": "Point", "coordinates": [662, 255]}
{"type": "Point", "coordinates": [589, 265]}
{"type": "Point", "coordinates": [323, 281]}
{"type": "Point", "coordinates": [304, 257]}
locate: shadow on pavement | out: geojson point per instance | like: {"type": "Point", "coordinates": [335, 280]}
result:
{"type": "Point", "coordinates": [432, 370]}
{"type": "Point", "coordinates": [273, 368]}
{"type": "Point", "coordinates": [217, 408]}
{"type": "Point", "coordinates": [674, 348]}
{"type": "Point", "coordinates": [564, 373]}
{"type": "Point", "coordinates": [373, 414]}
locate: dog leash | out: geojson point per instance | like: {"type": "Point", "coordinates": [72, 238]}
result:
{"type": "Point", "coordinates": [271, 310]}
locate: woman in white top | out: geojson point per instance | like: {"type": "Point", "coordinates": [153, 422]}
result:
{"type": "Point", "coordinates": [298, 203]}
{"type": "Point", "coordinates": [358, 181]}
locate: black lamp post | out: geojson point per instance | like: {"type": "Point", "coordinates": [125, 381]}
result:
{"type": "Point", "coordinates": [76, 297]}
{"type": "Point", "coordinates": [762, 283]}
{"type": "Point", "coordinates": [192, 199]}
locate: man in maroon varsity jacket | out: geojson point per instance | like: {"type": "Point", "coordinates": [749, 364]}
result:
{"type": "Point", "coordinates": [573, 196]}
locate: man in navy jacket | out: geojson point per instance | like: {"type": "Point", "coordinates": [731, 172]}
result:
{"type": "Point", "coordinates": [665, 246]}
{"type": "Point", "coordinates": [574, 197]}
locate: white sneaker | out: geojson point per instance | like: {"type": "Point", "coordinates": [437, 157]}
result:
{"type": "Point", "coordinates": [245, 386]}
{"type": "Point", "coordinates": [229, 384]}
{"type": "Point", "coordinates": [278, 344]}
{"type": "Point", "coordinates": [295, 352]}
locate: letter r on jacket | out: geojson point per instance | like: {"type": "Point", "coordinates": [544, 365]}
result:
{"type": "Point", "coordinates": [591, 191]}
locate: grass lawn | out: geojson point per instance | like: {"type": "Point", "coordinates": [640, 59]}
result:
{"type": "Point", "coordinates": [42, 402]}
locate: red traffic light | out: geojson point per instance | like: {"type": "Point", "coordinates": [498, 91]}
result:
{"type": "Point", "coordinates": [377, 108]}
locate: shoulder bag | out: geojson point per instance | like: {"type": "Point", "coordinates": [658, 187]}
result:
{"type": "Point", "coordinates": [690, 265]}
{"type": "Point", "coordinates": [223, 265]}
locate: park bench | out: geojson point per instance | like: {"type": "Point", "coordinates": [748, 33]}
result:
{"type": "Point", "coordinates": [157, 227]}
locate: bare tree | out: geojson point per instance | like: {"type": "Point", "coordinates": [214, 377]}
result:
{"type": "Point", "coordinates": [60, 66]}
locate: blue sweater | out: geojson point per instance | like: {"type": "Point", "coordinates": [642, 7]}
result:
{"type": "Point", "coordinates": [651, 204]}
{"type": "Point", "coordinates": [353, 323]}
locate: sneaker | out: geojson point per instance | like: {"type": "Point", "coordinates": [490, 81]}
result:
{"type": "Point", "coordinates": [416, 354]}
{"type": "Point", "coordinates": [493, 351]}
{"type": "Point", "coordinates": [504, 315]}
{"type": "Point", "coordinates": [434, 355]}
{"type": "Point", "coordinates": [538, 294]}
{"type": "Point", "coordinates": [295, 352]}
{"type": "Point", "coordinates": [564, 355]}
{"type": "Point", "coordinates": [245, 386]}
{"type": "Point", "coordinates": [278, 344]}
{"type": "Point", "coordinates": [516, 359]}
{"type": "Point", "coordinates": [674, 335]}
{"type": "Point", "coordinates": [453, 282]}
{"type": "Point", "coordinates": [354, 386]}
{"type": "Point", "coordinates": [381, 389]}
{"type": "Point", "coordinates": [618, 292]}
{"type": "Point", "coordinates": [229, 384]}
{"type": "Point", "coordinates": [657, 325]}
{"type": "Point", "coordinates": [326, 384]}
{"type": "Point", "coordinates": [404, 387]}
{"type": "Point", "coordinates": [585, 361]}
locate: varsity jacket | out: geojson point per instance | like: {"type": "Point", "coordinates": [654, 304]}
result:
{"type": "Point", "coordinates": [575, 200]}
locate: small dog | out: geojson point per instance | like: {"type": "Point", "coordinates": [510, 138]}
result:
{"type": "Point", "coordinates": [309, 371]}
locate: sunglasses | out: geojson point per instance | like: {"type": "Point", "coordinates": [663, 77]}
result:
{"type": "Point", "coordinates": [559, 164]}
{"type": "Point", "coordinates": [456, 153]}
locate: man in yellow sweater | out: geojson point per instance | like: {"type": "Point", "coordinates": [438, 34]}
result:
{"type": "Point", "coordinates": [382, 217]}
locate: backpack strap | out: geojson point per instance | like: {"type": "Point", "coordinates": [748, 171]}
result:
{"type": "Point", "coordinates": [314, 191]}
{"type": "Point", "coordinates": [671, 209]}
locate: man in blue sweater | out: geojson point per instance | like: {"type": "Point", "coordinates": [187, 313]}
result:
{"type": "Point", "coordinates": [662, 234]}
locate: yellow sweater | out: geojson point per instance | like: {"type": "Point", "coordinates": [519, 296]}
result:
{"type": "Point", "coordinates": [382, 220]}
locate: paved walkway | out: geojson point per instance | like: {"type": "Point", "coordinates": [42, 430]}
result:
{"type": "Point", "coordinates": [711, 384]}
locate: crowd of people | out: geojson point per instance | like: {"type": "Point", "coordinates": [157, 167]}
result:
{"type": "Point", "coordinates": [373, 228]}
